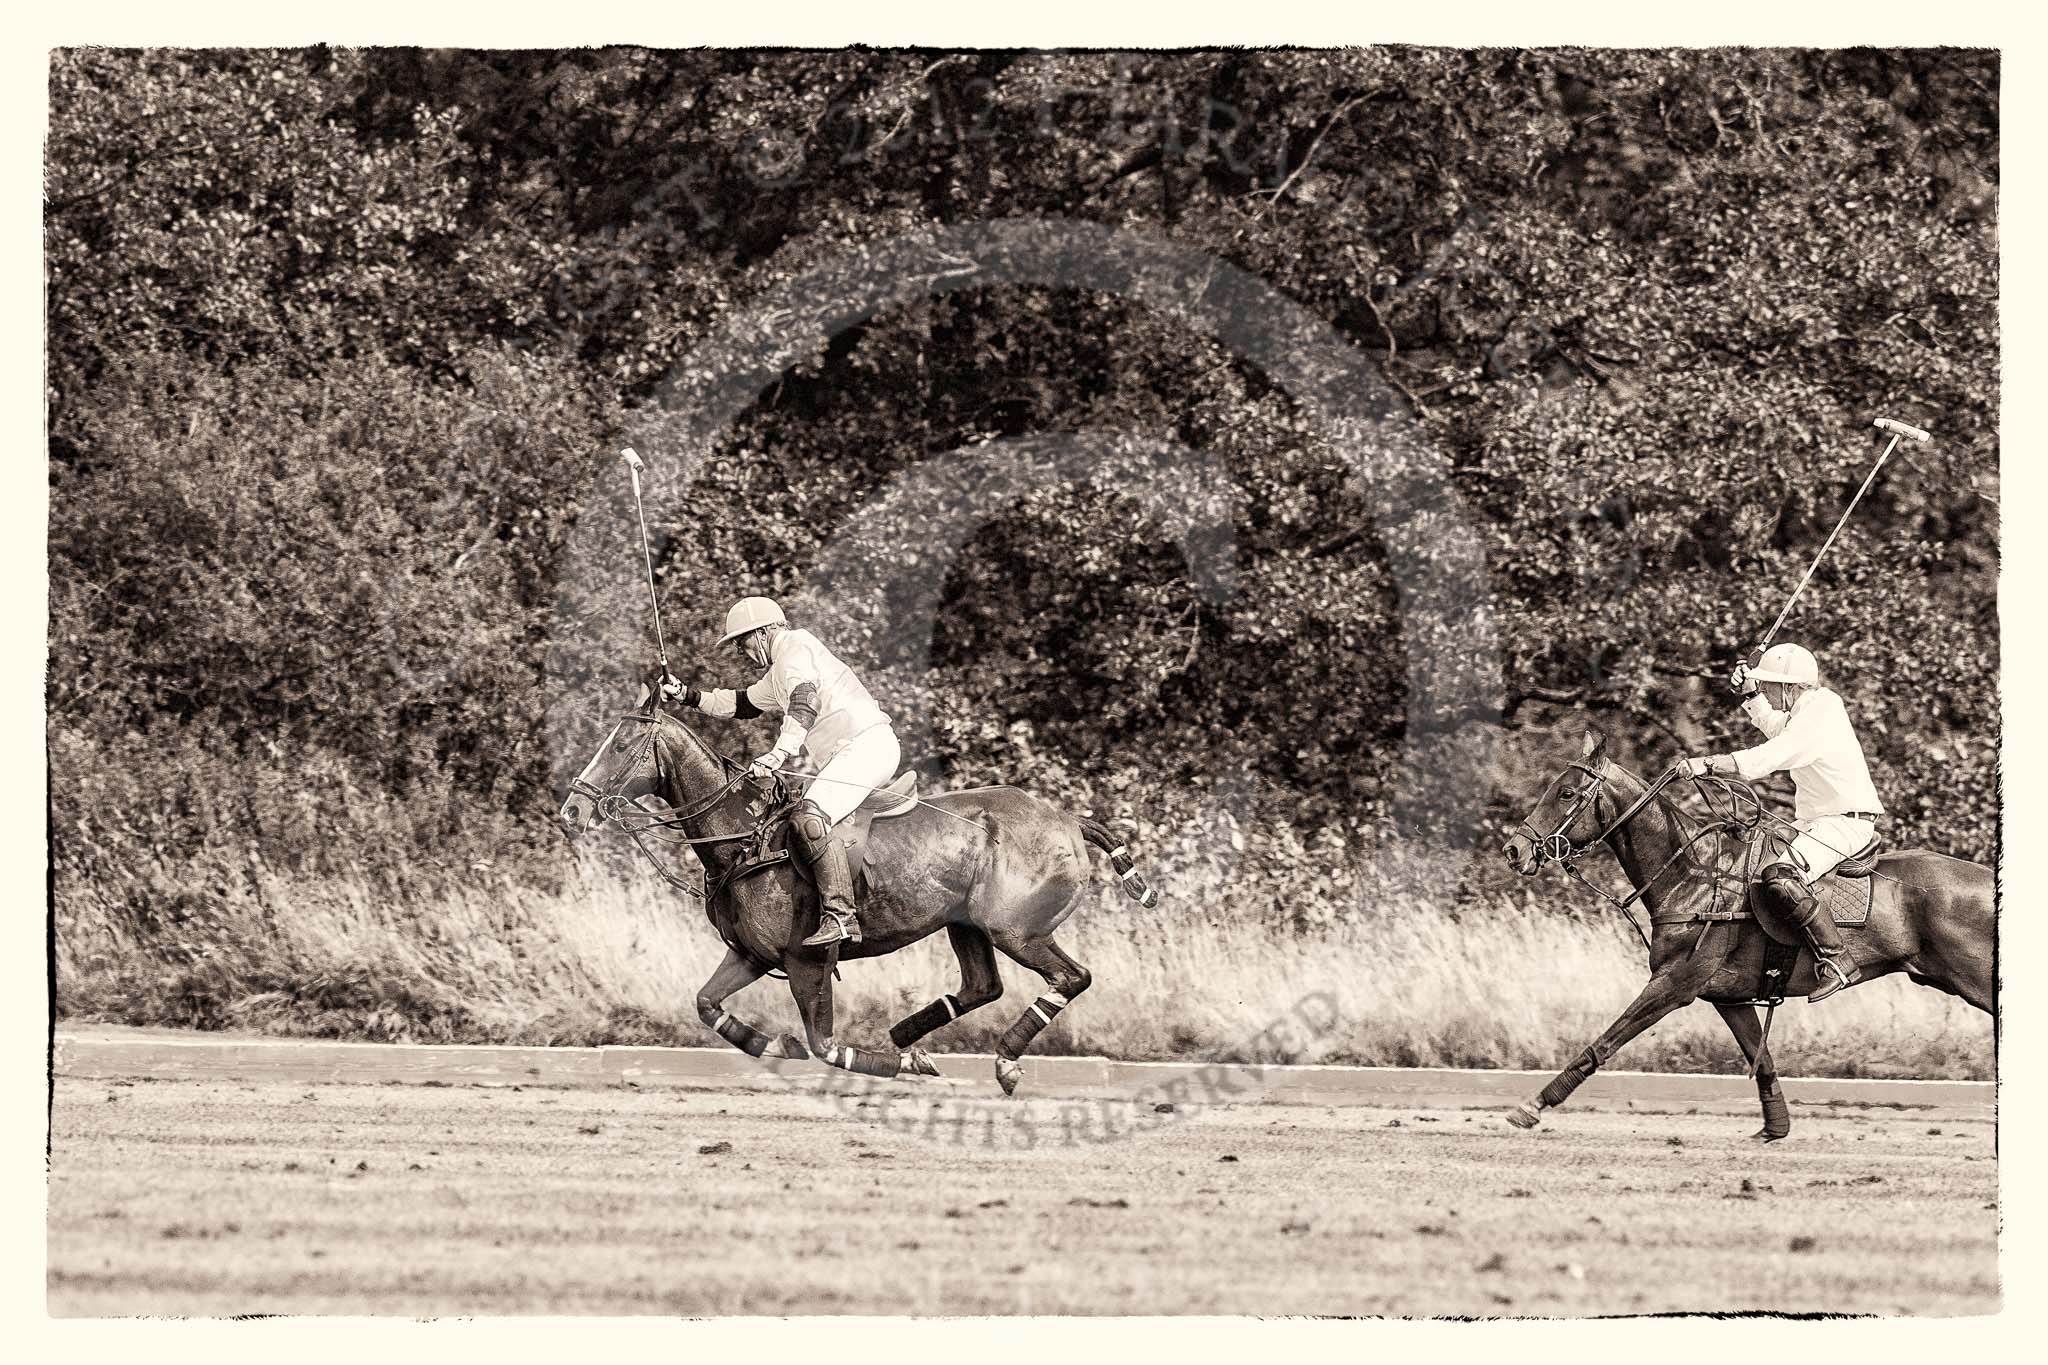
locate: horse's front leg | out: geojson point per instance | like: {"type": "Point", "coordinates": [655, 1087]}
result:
{"type": "Point", "coordinates": [735, 974]}
{"type": "Point", "coordinates": [810, 985]}
{"type": "Point", "coordinates": [1749, 1036]}
{"type": "Point", "coordinates": [1676, 984]}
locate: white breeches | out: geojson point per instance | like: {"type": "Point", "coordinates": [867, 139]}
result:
{"type": "Point", "coordinates": [867, 761]}
{"type": "Point", "coordinates": [1825, 842]}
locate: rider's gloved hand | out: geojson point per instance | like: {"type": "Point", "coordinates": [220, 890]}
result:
{"type": "Point", "coordinates": [767, 765]}
{"type": "Point", "coordinates": [675, 689]}
{"type": "Point", "coordinates": [1688, 768]}
{"type": "Point", "coordinates": [1740, 680]}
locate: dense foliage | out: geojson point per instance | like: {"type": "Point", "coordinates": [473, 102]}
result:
{"type": "Point", "coordinates": [342, 345]}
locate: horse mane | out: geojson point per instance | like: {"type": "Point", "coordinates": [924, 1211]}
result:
{"type": "Point", "coordinates": [666, 721]}
{"type": "Point", "coordinates": [1689, 828]}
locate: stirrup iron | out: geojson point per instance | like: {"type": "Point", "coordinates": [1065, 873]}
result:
{"type": "Point", "coordinates": [1825, 988]}
{"type": "Point", "coordinates": [834, 926]}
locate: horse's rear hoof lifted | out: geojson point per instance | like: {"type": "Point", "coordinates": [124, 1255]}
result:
{"type": "Point", "coordinates": [1008, 1074]}
{"type": "Point", "coordinates": [788, 1046]}
{"type": "Point", "coordinates": [917, 1062]}
{"type": "Point", "coordinates": [1525, 1116]}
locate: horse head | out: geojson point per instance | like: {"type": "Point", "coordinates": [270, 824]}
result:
{"type": "Point", "coordinates": [1568, 817]}
{"type": "Point", "coordinates": [642, 756]}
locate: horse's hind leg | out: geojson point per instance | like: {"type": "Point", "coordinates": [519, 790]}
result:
{"type": "Point", "coordinates": [810, 985]}
{"type": "Point", "coordinates": [980, 984]}
{"type": "Point", "coordinates": [733, 975]}
{"type": "Point", "coordinates": [1067, 979]}
{"type": "Point", "coordinates": [1749, 1036]}
{"type": "Point", "coordinates": [1956, 952]}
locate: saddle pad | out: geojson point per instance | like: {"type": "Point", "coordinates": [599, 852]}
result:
{"type": "Point", "coordinates": [1847, 900]}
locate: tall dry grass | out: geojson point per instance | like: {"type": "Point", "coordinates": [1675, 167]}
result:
{"type": "Point", "coordinates": [221, 939]}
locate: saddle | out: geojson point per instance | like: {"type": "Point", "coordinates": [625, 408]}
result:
{"type": "Point", "coordinates": [1846, 893]}
{"type": "Point", "coordinates": [769, 845]}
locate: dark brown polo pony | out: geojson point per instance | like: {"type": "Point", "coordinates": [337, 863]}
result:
{"type": "Point", "coordinates": [998, 869]}
{"type": "Point", "coordinates": [1932, 918]}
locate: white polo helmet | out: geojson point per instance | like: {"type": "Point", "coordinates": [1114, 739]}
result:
{"type": "Point", "coordinates": [1788, 664]}
{"type": "Point", "coordinates": [750, 613]}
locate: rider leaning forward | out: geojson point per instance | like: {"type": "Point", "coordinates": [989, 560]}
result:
{"type": "Point", "coordinates": [1808, 734]}
{"type": "Point", "coordinates": [826, 715]}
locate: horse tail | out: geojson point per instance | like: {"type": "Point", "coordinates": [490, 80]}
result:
{"type": "Point", "coordinates": [1097, 833]}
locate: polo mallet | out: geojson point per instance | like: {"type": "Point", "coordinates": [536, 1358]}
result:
{"type": "Point", "coordinates": [1898, 430]}
{"type": "Point", "coordinates": [660, 645]}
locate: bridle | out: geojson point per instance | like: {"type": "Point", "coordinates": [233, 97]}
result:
{"type": "Point", "coordinates": [614, 808]}
{"type": "Point", "coordinates": [1557, 846]}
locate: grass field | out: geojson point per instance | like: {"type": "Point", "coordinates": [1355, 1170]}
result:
{"type": "Point", "coordinates": [617, 957]}
{"type": "Point", "coordinates": [210, 1198]}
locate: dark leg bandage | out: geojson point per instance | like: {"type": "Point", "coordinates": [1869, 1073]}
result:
{"type": "Point", "coordinates": [1030, 1024]}
{"type": "Point", "coordinates": [936, 1015]}
{"type": "Point", "coordinates": [860, 1060]}
{"type": "Point", "coordinates": [1571, 1078]}
{"type": "Point", "coordinates": [740, 1034]}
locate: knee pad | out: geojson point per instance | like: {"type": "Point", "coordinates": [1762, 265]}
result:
{"type": "Point", "coordinates": [1784, 872]}
{"type": "Point", "coordinates": [811, 826]}
{"type": "Point", "coordinates": [1787, 884]}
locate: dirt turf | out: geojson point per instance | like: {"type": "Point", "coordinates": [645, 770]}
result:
{"type": "Point", "coordinates": [221, 1197]}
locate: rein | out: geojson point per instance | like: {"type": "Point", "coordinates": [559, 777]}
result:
{"type": "Point", "coordinates": [1558, 847]}
{"type": "Point", "coordinates": [635, 822]}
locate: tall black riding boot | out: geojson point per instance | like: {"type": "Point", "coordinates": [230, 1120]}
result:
{"type": "Point", "coordinates": [838, 920]}
{"type": "Point", "coordinates": [1833, 968]}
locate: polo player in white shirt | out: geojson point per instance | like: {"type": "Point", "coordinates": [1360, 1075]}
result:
{"type": "Point", "coordinates": [1808, 734]}
{"type": "Point", "coordinates": [826, 715]}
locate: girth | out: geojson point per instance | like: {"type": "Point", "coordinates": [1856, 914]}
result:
{"type": "Point", "coordinates": [768, 847]}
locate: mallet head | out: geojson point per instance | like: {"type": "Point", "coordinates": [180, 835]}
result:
{"type": "Point", "coordinates": [1901, 429]}
{"type": "Point", "coordinates": [633, 458]}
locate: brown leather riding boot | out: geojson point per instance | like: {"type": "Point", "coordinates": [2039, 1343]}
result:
{"type": "Point", "coordinates": [838, 920]}
{"type": "Point", "coordinates": [1832, 966]}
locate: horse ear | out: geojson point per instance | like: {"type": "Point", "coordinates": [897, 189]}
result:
{"type": "Point", "coordinates": [646, 695]}
{"type": "Point", "coordinates": [1595, 742]}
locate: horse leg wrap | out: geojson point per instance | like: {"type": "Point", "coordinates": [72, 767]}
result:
{"type": "Point", "coordinates": [1030, 1024]}
{"type": "Point", "coordinates": [740, 1034]}
{"type": "Point", "coordinates": [938, 1014]}
{"type": "Point", "coordinates": [1777, 1117]}
{"type": "Point", "coordinates": [1560, 1088]}
{"type": "Point", "coordinates": [861, 1061]}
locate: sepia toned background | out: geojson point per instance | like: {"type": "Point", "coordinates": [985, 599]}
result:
{"type": "Point", "coordinates": [342, 344]}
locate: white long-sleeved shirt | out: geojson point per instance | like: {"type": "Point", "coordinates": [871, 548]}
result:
{"type": "Point", "coordinates": [1815, 742]}
{"type": "Point", "coordinates": [822, 704]}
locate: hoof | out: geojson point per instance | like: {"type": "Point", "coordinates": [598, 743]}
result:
{"type": "Point", "coordinates": [1766, 1135]}
{"type": "Point", "coordinates": [916, 1062]}
{"type": "Point", "coordinates": [1008, 1074]}
{"type": "Point", "coordinates": [787, 1046]}
{"type": "Point", "coordinates": [1525, 1116]}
